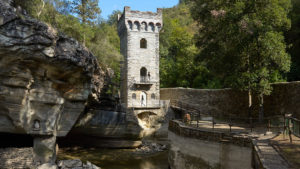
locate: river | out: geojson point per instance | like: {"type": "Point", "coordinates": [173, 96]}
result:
{"type": "Point", "coordinates": [183, 153]}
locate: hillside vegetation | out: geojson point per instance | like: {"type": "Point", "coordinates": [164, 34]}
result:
{"type": "Point", "coordinates": [188, 58]}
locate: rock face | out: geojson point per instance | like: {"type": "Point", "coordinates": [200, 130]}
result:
{"type": "Point", "coordinates": [45, 78]}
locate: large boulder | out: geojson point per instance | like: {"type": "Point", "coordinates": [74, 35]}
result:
{"type": "Point", "coordinates": [46, 78]}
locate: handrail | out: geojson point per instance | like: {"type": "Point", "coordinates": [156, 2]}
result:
{"type": "Point", "coordinates": [232, 118]}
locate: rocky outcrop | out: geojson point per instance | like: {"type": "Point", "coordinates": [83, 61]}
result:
{"type": "Point", "coordinates": [45, 77]}
{"type": "Point", "coordinates": [46, 80]}
{"type": "Point", "coordinates": [72, 164]}
{"type": "Point", "coordinates": [20, 158]}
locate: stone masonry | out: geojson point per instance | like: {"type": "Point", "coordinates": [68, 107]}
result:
{"type": "Point", "coordinates": [224, 102]}
{"type": "Point", "coordinates": [139, 37]}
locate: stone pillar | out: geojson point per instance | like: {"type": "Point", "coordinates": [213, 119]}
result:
{"type": "Point", "coordinates": [44, 149]}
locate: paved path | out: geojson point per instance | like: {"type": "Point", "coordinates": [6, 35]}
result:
{"type": "Point", "coordinates": [269, 157]}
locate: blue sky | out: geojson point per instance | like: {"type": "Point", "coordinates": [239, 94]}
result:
{"type": "Point", "coordinates": [107, 6]}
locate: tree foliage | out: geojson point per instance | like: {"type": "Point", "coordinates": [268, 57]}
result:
{"type": "Point", "coordinates": [293, 39]}
{"type": "Point", "coordinates": [217, 44]}
{"type": "Point", "coordinates": [86, 10]}
{"type": "Point", "coordinates": [243, 41]}
{"type": "Point", "coordinates": [101, 38]}
{"type": "Point", "coordinates": [178, 64]}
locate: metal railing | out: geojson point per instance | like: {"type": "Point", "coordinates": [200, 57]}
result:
{"type": "Point", "coordinates": [278, 122]}
{"type": "Point", "coordinates": [144, 79]}
{"type": "Point", "coordinates": [295, 125]}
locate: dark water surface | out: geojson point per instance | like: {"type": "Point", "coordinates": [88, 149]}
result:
{"type": "Point", "coordinates": [183, 153]}
{"type": "Point", "coordinates": [116, 158]}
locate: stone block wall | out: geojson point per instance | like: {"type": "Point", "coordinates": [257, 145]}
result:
{"type": "Point", "coordinates": [210, 101]}
{"type": "Point", "coordinates": [285, 97]}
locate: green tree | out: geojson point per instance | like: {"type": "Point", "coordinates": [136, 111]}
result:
{"type": "Point", "coordinates": [87, 10]}
{"type": "Point", "coordinates": [32, 7]}
{"type": "Point", "coordinates": [113, 18]}
{"type": "Point", "coordinates": [178, 64]}
{"type": "Point", "coordinates": [243, 43]}
{"type": "Point", "coordinates": [293, 39]}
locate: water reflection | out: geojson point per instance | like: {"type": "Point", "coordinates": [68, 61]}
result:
{"type": "Point", "coordinates": [117, 158]}
{"type": "Point", "coordinates": [186, 153]}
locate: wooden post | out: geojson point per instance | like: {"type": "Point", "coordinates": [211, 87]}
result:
{"type": "Point", "coordinates": [269, 125]}
{"type": "Point", "coordinates": [284, 126]}
{"type": "Point", "coordinates": [251, 124]}
{"type": "Point", "coordinates": [290, 135]}
{"type": "Point", "coordinates": [213, 123]}
{"type": "Point", "coordinates": [198, 119]}
{"type": "Point", "coordinates": [230, 124]}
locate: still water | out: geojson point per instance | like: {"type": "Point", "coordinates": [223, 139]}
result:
{"type": "Point", "coordinates": [117, 158]}
{"type": "Point", "coordinates": [183, 153]}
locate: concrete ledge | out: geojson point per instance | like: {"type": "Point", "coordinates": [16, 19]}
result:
{"type": "Point", "coordinates": [181, 129]}
{"type": "Point", "coordinates": [264, 156]}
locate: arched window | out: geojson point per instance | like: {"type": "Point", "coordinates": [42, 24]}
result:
{"type": "Point", "coordinates": [143, 73]}
{"type": "Point", "coordinates": [143, 43]}
{"type": "Point", "coordinates": [130, 25]}
{"type": "Point", "coordinates": [136, 25]}
{"type": "Point", "coordinates": [153, 96]}
{"type": "Point", "coordinates": [36, 125]}
{"type": "Point", "coordinates": [144, 26]}
{"type": "Point", "coordinates": [152, 27]}
{"type": "Point", "coordinates": [158, 26]}
{"type": "Point", "coordinates": [133, 96]}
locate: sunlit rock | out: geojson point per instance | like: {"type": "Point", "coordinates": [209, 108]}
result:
{"type": "Point", "coordinates": [46, 79]}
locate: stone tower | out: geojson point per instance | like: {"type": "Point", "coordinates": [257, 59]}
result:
{"type": "Point", "coordinates": [139, 38]}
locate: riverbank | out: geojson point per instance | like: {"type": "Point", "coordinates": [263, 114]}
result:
{"type": "Point", "coordinates": [22, 157]}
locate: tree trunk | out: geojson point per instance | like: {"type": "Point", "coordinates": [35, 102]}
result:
{"type": "Point", "coordinates": [249, 104]}
{"type": "Point", "coordinates": [261, 108]}
{"type": "Point", "coordinates": [41, 9]}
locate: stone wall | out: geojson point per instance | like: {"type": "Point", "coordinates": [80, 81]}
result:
{"type": "Point", "coordinates": [216, 102]}
{"type": "Point", "coordinates": [284, 98]}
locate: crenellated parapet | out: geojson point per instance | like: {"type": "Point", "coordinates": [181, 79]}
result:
{"type": "Point", "coordinates": [140, 21]}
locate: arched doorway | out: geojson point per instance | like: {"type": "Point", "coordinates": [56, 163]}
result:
{"type": "Point", "coordinates": [143, 99]}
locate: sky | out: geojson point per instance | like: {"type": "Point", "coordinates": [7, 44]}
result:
{"type": "Point", "coordinates": [107, 6]}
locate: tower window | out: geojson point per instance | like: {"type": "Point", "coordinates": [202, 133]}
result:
{"type": "Point", "coordinates": [144, 26]}
{"type": "Point", "coordinates": [152, 96]}
{"type": "Point", "coordinates": [134, 96]}
{"type": "Point", "coordinates": [130, 25]}
{"type": "Point", "coordinates": [136, 25]}
{"type": "Point", "coordinates": [158, 25]}
{"type": "Point", "coordinates": [143, 43]}
{"type": "Point", "coordinates": [143, 73]}
{"type": "Point", "coordinates": [152, 27]}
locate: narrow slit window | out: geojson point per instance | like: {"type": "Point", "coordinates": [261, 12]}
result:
{"type": "Point", "coordinates": [143, 43]}
{"type": "Point", "coordinates": [153, 96]}
{"type": "Point", "coordinates": [133, 96]}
